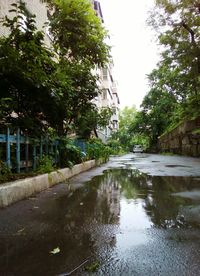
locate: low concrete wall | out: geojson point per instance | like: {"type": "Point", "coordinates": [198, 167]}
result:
{"type": "Point", "coordinates": [14, 191]}
{"type": "Point", "coordinates": [182, 140]}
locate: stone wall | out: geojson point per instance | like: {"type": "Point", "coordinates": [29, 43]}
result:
{"type": "Point", "coordinates": [182, 140]}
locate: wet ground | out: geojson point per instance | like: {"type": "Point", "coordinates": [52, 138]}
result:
{"type": "Point", "coordinates": [137, 215]}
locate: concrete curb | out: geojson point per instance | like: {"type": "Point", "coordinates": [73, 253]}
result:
{"type": "Point", "coordinates": [12, 192]}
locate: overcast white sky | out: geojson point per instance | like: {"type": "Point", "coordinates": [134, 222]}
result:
{"type": "Point", "coordinates": [134, 51]}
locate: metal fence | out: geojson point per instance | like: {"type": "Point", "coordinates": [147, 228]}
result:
{"type": "Point", "coordinates": [21, 152]}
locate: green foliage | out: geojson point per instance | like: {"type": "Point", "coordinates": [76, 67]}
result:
{"type": "Point", "coordinates": [97, 150]}
{"type": "Point", "coordinates": [126, 117]}
{"type": "Point", "coordinates": [174, 85]}
{"type": "Point", "coordinates": [157, 108]}
{"type": "Point", "coordinates": [140, 139]}
{"type": "Point", "coordinates": [132, 130]}
{"type": "Point", "coordinates": [5, 104]}
{"type": "Point", "coordinates": [115, 147]}
{"type": "Point", "coordinates": [5, 171]}
{"type": "Point", "coordinates": [69, 153]}
{"type": "Point", "coordinates": [196, 131]}
{"type": "Point", "coordinates": [104, 116]}
{"type": "Point", "coordinates": [77, 87]}
{"type": "Point", "coordinates": [25, 65]}
{"type": "Point", "coordinates": [45, 164]}
{"type": "Point", "coordinates": [177, 27]}
{"type": "Point", "coordinates": [92, 267]}
{"type": "Point", "coordinates": [78, 32]}
{"type": "Point", "coordinates": [91, 118]}
{"type": "Point", "coordinates": [39, 88]}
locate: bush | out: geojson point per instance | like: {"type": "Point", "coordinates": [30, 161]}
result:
{"type": "Point", "coordinates": [115, 147]}
{"type": "Point", "coordinates": [69, 153]}
{"type": "Point", "coordinates": [97, 150]}
{"type": "Point", "coordinates": [45, 164]}
{"type": "Point", "coordinates": [5, 171]}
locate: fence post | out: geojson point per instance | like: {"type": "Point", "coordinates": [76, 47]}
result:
{"type": "Point", "coordinates": [51, 149]}
{"type": "Point", "coordinates": [34, 156]}
{"type": "Point", "coordinates": [56, 152]}
{"type": "Point", "coordinates": [47, 145]}
{"type": "Point", "coordinates": [18, 150]}
{"type": "Point", "coordinates": [8, 148]}
{"type": "Point", "coordinates": [27, 152]}
{"type": "Point", "coordinates": [41, 147]}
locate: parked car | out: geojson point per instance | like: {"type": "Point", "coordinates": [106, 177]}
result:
{"type": "Point", "coordinates": [137, 148]}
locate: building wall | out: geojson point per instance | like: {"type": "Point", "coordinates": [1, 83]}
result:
{"type": "Point", "coordinates": [109, 96]}
{"type": "Point", "coordinates": [36, 7]}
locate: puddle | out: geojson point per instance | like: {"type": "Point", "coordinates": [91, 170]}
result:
{"type": "Point", "coordinates": [177, 166]}
{"type": "Point", "coordinates": [194, 194]}
{"type": "Point", "coordinates": [120, 219]}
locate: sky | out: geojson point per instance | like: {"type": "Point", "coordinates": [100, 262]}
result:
{"type": "Point", "coordinates": [134, 49]}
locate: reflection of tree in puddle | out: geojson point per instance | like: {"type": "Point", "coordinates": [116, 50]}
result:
{"type": "Point", "coordinates": [164, 208]}
{"type": "Point", "coordinates": [84, 219]}
{"type": "Point", "coordinates": [160, 206]}
{"type": "Point", "coordinates": [156, 193]}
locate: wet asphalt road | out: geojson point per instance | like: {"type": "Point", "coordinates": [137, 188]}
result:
{"type": "Point", "coordinates": [136, 215]}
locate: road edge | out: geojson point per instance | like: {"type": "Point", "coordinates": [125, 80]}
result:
{"type": "Point", "coordinates": [12, 192]}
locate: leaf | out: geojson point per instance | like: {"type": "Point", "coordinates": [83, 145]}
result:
{"type": "Point", "coordinates": [93, 267]}
{"type": "Point", "coordinates": [21, 230]}
{"type": "Point", "coordinates": [55, 251]}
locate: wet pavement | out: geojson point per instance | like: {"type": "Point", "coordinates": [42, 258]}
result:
{"type": "Point", "coordinates": [138, 214]}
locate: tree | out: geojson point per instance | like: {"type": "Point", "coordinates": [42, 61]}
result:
{"type": "Point", "coordinates": [90, 119]}
{"type": "Point", "coordinates": [79, 40]}
{"type": "Point", "coordinates": [125, 137]}
{"type": "Point", "coordinates": [158, 106]}
{"type": "Point", "coordinates": [126, 117]}
{"type": "Point", "coordinates": [77, 32]}
{"type": "Point", "coordinates": [41, 89]}
{"type": "Point", "coordinates": [25, 66]}
{"type": "Point", "coordinates": [76, 86]}
{"type": "Point", "coordinates": [177, 25]}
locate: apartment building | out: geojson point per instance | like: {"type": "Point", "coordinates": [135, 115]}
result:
{"type": "Point", "coordinates": [109, 96]}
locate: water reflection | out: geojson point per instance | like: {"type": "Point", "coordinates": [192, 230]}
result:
{"type": "Point", "coordinates": [110, 212]}
{"type": "Point", "coordinates": [154, 194]}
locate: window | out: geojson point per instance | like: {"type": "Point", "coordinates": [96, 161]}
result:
{"type": "Point", "coordinates": [104, 94]}
{"type": "Point", "coordinates": [105, 73]}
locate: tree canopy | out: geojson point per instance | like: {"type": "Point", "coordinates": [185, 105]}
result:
{"type": "Point", "coordinates": [177, 26]}
{"type": "Point", "coordinates": [77, 32]}
{"type": "Point", "coordinates": [41, 87]}
{"type": "Point", "coordinates": [174, 85]}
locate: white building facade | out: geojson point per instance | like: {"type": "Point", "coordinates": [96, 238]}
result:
{"type": "Point", "coordinates": [109, 96]}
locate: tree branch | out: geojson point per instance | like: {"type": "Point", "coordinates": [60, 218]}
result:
{"type": "Point", "coordinates": [191, 32]}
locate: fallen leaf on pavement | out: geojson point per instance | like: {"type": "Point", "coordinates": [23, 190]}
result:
{"type": "Point", "coordinates": [55, 250]}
